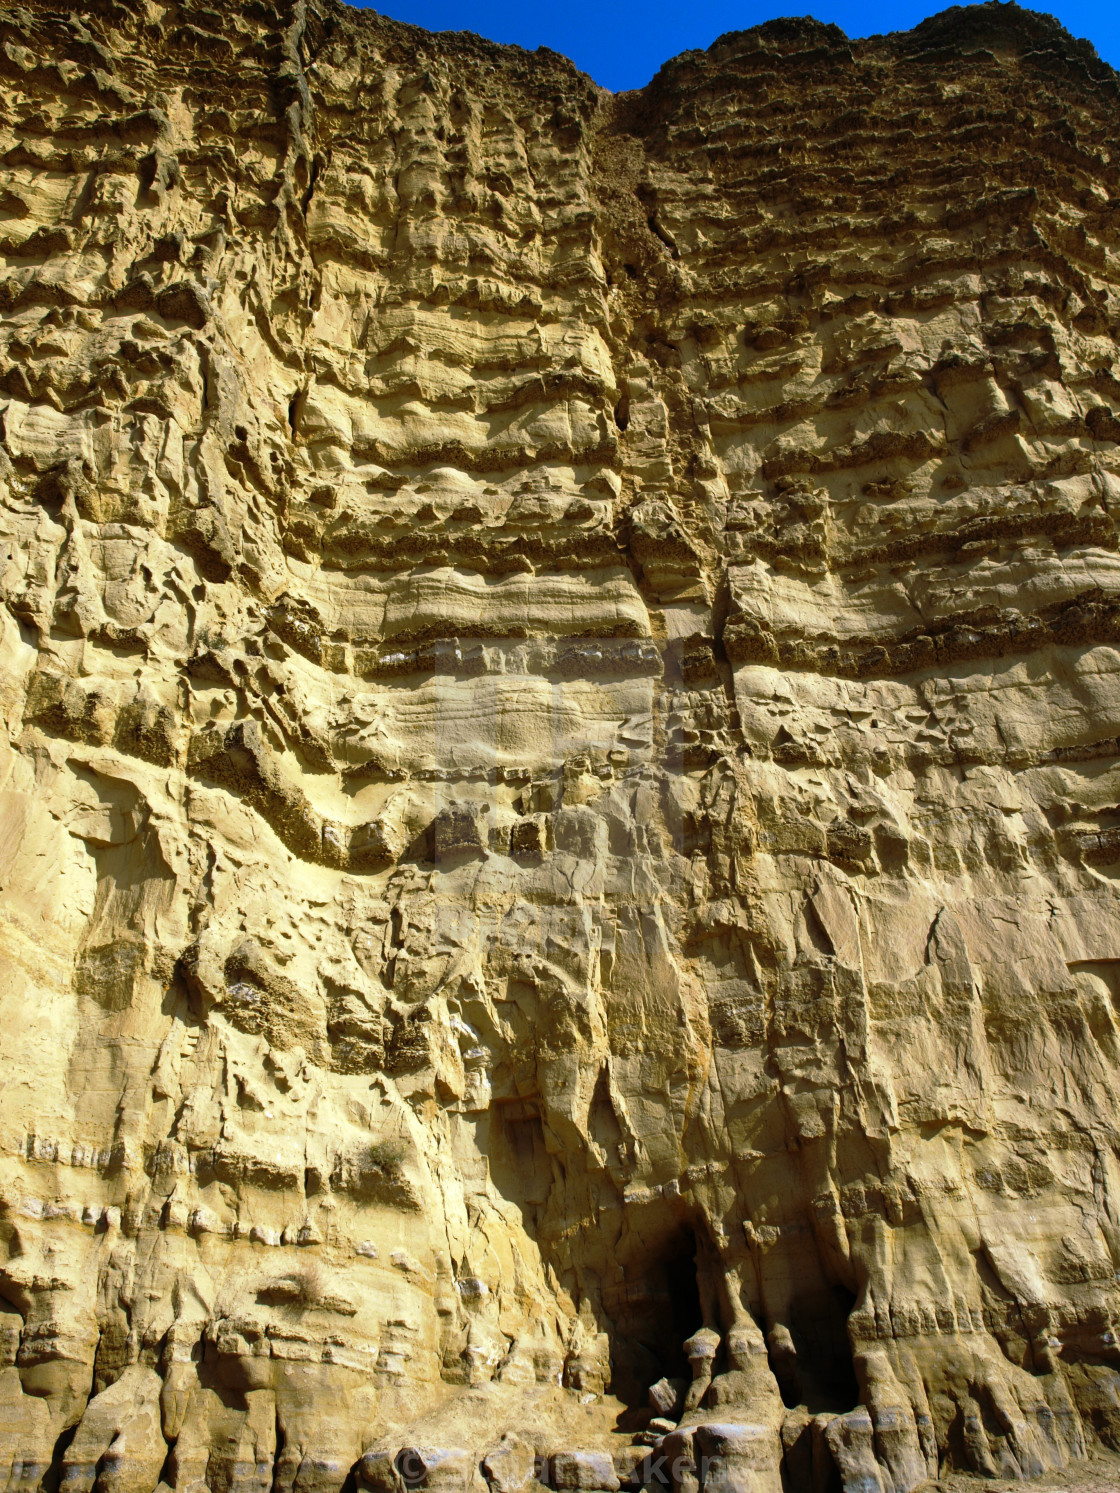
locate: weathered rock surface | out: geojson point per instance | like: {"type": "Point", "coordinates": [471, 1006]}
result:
{"type": "Point", "coordinates": [560, 831]}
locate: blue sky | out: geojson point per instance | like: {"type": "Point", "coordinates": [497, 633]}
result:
{"type": "Point", "coordinates": [622, 43]}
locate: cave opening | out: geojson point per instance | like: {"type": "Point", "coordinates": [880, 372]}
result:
{"type": "Point", "coordinates": [683, 1285]}
{"type": "Point", "coordinates": [654, 1312]}
{"type": "Point", "coordinates": [812, 1358]}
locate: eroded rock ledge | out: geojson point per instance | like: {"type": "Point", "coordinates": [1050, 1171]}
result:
{"type": "Point", "coordinates": [560, 770]}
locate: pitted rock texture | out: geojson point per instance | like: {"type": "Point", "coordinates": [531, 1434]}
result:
{"type": "Point", "coordinates": [560, 825]}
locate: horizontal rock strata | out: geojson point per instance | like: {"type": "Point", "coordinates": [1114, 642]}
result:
{"type": "Point", "coordinates": [560, 769]}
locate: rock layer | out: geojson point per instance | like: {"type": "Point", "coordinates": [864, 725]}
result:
{"type": "Point", "coordinates": [561, 760]}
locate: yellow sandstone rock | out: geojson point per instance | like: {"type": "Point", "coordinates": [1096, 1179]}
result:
{"type": "Point", "coordinates": [560, 758]}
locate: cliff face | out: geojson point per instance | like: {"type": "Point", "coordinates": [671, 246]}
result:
{"type": "Point", "coordinates": [560, 818]}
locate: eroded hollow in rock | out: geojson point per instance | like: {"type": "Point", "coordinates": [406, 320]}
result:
{"type": "Point", "coordinates": [654, 1310]}
{"type": "Point", "coordinates": [812, 1357]}
{"type": "Point", "coordinates": [520, 1167]}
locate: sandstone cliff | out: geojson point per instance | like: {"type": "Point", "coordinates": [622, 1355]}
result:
{"type": "Point", "coordinates": [560, 826]}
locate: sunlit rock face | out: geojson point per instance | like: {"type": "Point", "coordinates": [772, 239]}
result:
{"type": "Point", "coordinates": [561, 757]}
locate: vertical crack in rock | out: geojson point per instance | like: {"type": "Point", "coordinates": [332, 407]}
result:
{"type": "Point", "coordinates": [560, 758]}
